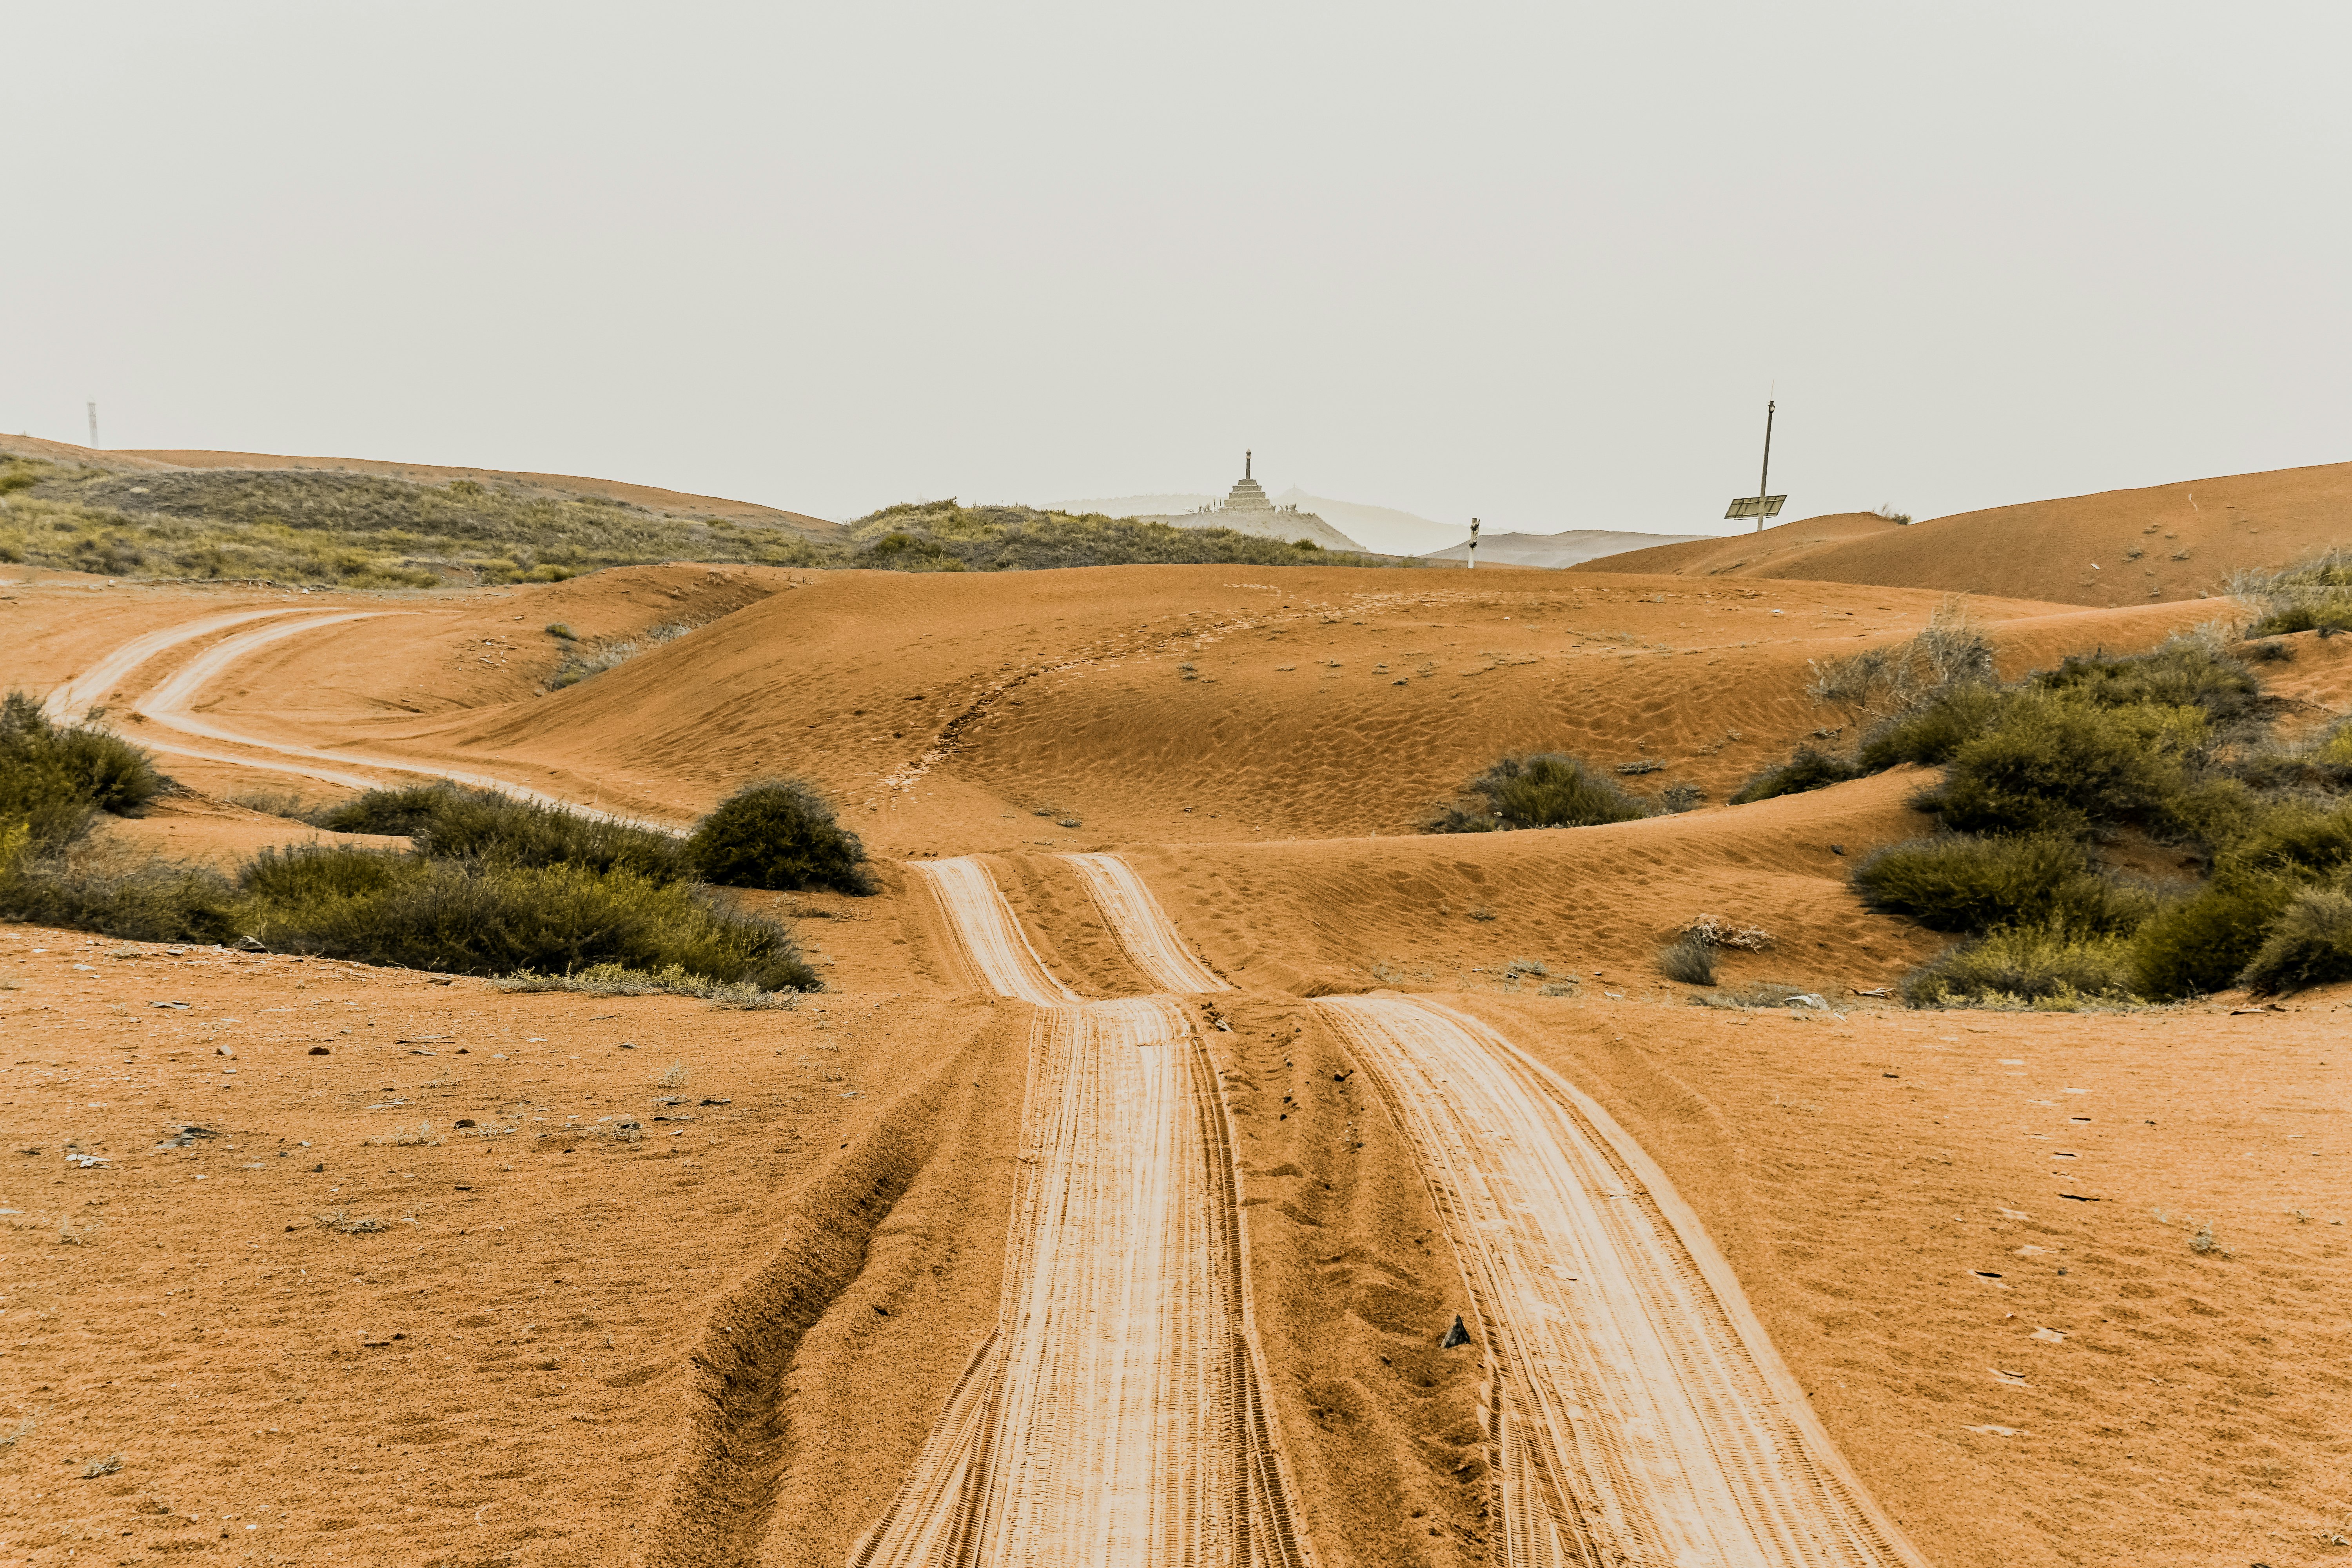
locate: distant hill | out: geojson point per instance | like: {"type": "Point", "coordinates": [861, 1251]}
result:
{"type": "Point", "coordinates": [1557, 550]}
{"type": "Point", "coordinates": [1382, 529]}
{"type": "Point", "coordinates": [649, 498]}
{"type": "Point", "coordinates": [2164, 543]}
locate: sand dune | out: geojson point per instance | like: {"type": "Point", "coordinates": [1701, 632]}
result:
{"type": "Point", "coordinates": [2164, 543]}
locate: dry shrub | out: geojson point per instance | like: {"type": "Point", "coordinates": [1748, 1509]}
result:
{"type": "Point", "coordinates": [1950, 650]}
{"type": "Point", "coordinates": [1690, 959]}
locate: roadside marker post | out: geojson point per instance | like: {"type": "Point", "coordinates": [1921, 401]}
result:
{"type": "Point", "coordinates": [1763, 503]}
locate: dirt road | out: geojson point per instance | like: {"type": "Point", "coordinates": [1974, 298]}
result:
{"type": "Point", "coordinates": [1637, 1411]}
{"type": "Point", "coordinates": [1115, 1417]}
{"type": "Point", "coordinates": [172, 704]}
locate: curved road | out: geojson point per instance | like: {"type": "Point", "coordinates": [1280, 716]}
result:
{"type": "Point", "coordinates": [173, 705]}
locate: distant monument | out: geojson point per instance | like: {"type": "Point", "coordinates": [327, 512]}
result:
{"type": "Point", "coordinates": [1246, 510]}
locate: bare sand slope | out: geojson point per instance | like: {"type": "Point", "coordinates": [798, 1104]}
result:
{"type": "Point", "coordinates": [1073, 710]}
{"type": "Point", "coordinates": [1114, 1415]}
{"type": "Point", "coordinates": [1638, 1412]}
{"type": "Point", "coordinates": [2119, 547]}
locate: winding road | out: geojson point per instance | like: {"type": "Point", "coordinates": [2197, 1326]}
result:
{"type": "Point", "coordinates": [1115, 1417]}
{"type": "Point", "coordinates": [172, 704]}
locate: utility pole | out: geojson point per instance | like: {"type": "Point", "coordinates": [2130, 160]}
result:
{"type": "Point", "coordinates": [1473, 546]}
{"type": "Point", "coordinates": [93, 423]}
{"type": "Point", "coordinates": [1763, 503]}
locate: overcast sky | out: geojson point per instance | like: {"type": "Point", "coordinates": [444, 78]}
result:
{"type": "Point", "coordinates": [1542, 263]}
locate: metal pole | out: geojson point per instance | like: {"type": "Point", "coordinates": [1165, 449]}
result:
{"type": "Point", "coordinates": [1473, 546]}
{"type": "Point", "coordinates": [93, 425]}
{"type": "Point", "coordinates": [1764, 485]}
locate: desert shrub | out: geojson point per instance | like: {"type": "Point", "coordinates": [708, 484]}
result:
{"type": "Point", "coordinates": [2297, 840]}
{"type": "Point", "coordinates": [492, 918]}
{"type": "Point", "coordinates": [2051, 765]}
{"type": "Point", "coordinates": [1959, 883]}
{"type": "Point", "coordinates": [1951, 651]}
{"type": "Point", "coordinates": [2029, 966]}
{"type": "Point", "coordinates": [2188, 670]}
{"type": "Point", "coordinates": [778, 833]}
{"type": "Point", "coordinates": [2268, 652]}
{"type": "Point", "coordinates": [2311, 944]}
{"type": "Point", "coordinates": [2202, 943]}
{"type": "Point", "coordinates": [53, 776]}
{"type": "Point", "coordinates": [612, 980]}
{"type": "Point", "coordinates": [1808, 769]}
{"type": "Point", "coordinates": [1542, 790]}
{"type": "Point", "coordinates": [1680, 797]}
{"type": "Point", "coordinates": [448, 821]}
{"type": "Point", "coordinates": [1690, 959]}
{"type": "Point", "coordinates": [1932, 732]}
{"type": "Point", "coordinates": [149, 901]}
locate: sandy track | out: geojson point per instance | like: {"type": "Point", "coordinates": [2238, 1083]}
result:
{"type": "Point", "coordinates": [173, 705]}
{"type": "Point", "coordinates": [1114, 1417]}
{"type": "Point", "coordinates": [1637, 1413]}
{"type": "Point", "coordinates": [90, 689]}
{"type": "Point", "coordinates": [1144, 932]}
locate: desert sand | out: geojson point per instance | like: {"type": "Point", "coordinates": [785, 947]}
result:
{"type": "Point", "coordinates": [1160, 1116]}
{"type": "Point", "coordinates": [2162, 543]}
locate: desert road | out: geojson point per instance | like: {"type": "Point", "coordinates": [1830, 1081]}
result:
{"type": "Point", "coordinates": [1116, 1416]}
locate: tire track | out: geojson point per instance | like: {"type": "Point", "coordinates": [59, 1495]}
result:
{"type": "Point", "coordinates": [1115, 1417]}
{"type": "Point", "coordinates": [1637, 1411]}
{"type": "Point", "coordinates": [173, 705]}
{"type": "Point", "coordinates": [1142, 928]}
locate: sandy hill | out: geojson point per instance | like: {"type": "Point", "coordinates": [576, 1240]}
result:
{"type": "Point", "coordinates": [1555, 549]}
{"type": "Point", "coordinates": [654, 498]}
{"type": "Point", "coordinates": [2166, 542]}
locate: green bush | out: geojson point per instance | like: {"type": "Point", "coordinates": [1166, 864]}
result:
{"type": "Point", "coordinates": [1543, 790]}
{"type": "Point", "coordinates": [778, 833]}
{"type": "Point", "coordinates": [2025, 967]}
{"type": "Point", "coordinates": [1930, 733]}
{"type": "Point", "coordinates": [2202, 943]}
{"type": "Point", "coordinates": [1808, 769]}
{"type": "Point", "coordinates": [2050, 765]}
{"type": "Point", "coordinates": [2185, 671]}
{"type": "Point", "coordinates": [55, 777]}
{"type": "Point", "coordinates": [492, 918]}
{"type": "Point", "coordinates": [446, 822]}
{"type": "Point", "coordinates": [1958, 883]}
{"type": "Point", "coordinates": [2311, 944]}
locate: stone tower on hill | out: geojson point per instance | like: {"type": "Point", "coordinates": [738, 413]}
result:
{"type": "Point", "coordinates": [1246, 510]}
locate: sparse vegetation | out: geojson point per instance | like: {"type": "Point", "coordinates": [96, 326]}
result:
{"type": "Point", "coordinates": [2041, 967]}
{"type": "Point", "coordinates": [1690, 959]}
{"type": "Point", "coordinates": [53, 778]}
{"type": "Point", "coordinates": [493, 887]}
{"type": "Point", "coordinates": [1951, 651]}
{"type": "Point", "coordinates": [942, 536]}
{"type": "Point", "coordinates": [581, 661]}
{"type": "Point", "coordinates": [1809, 768]}
{"type": "Point", "coordinates": [1543, 790]}
{"type": "Point", "coordinates": [2315, 595]}
{"type": "Point", "coordinates": [352, 530]}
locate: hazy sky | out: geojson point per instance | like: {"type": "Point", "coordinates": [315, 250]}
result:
{"type": "Point", "coordinates": [1536, 262]}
